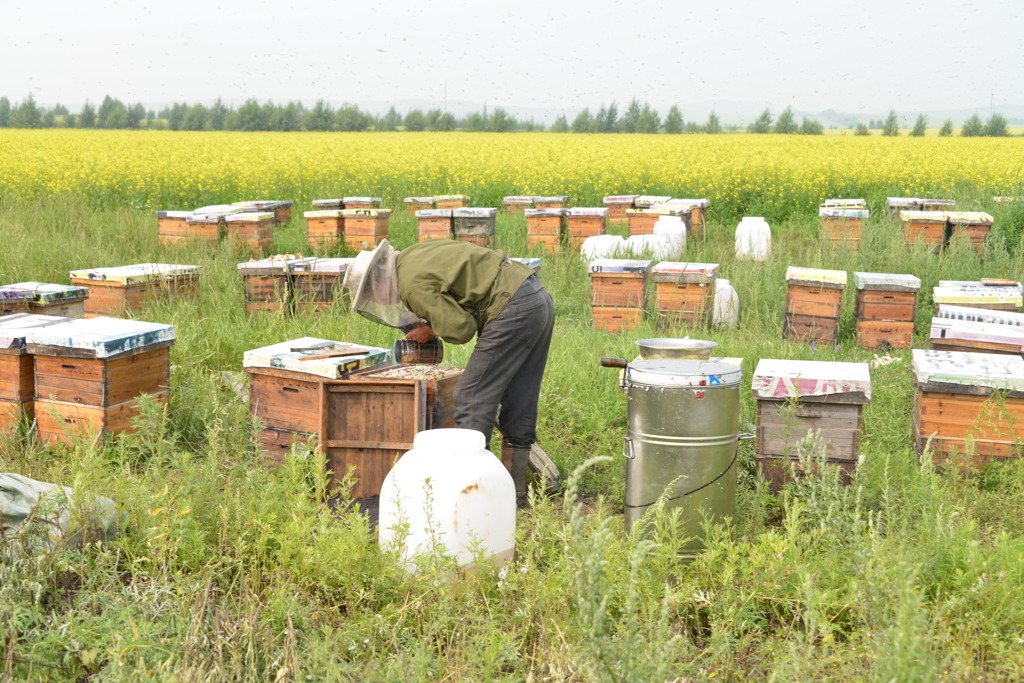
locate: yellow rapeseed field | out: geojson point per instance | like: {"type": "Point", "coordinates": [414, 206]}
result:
{"type": "Point", "coordinates": [774, 175]}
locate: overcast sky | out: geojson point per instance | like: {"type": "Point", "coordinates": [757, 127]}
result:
{"type": "Point", "coordinates": [853, 56]}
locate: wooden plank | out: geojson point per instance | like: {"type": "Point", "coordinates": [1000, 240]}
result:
{"type": "Point", "coordinates": [16, 377]}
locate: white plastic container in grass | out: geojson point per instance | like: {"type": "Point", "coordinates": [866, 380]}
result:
{"type": "Point", "coordinates": [727, 304]}
{"type": "Point", "coordinates": [672, 228]}
{"type": "Point", "coordinates": [658, 246]}
{"type": "Point", "coordinates": [602, 246]}
{"type": "Point", "coordinates": [753, 238]}
{"type": "Point", "coordinates": [452, 495]}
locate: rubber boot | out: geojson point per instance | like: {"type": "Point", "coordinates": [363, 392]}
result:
{"type": "Point", "coordinates": [517, 462]}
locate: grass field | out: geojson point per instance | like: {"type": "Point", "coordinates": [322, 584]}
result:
{"type": "Point", "coordinates": [230, 572]}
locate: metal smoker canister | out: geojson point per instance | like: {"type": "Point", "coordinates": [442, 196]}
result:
{"type": "Point", "coordinates": [683, 433]}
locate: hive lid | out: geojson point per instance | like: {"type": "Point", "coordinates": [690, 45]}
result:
{"type": "Point", "coordinates": [320, 265]}
{"type": "Point", "coordinates": [250, 217]}
{"type": "Point", "coordinates": [519, 199]}
{"type": "Point", "coordinates": [659, 211]}
{"type": "Point", "coordinates": [923, 216]}
{"type": "Point", "coordinates": [974, 217]}
{"type": "Point", "coordinates": [451, 198]}
{"type": "Point", "coordinates": [844, 203]}
{"type": "Point", "coordinates": [679, 271]}
{"type": "Point", "coordinates": [137, 272]}
{"type": "Point", "coordinates": [99, 337]}
{"type": "Point", "coordinates": [981, 315]}
{"type": "Point", "coordinates": [945, 328]}
{"type": "Point", "coordinates": [886, 282]}
{"type": "Point", "coordinates": [376, 201]}
{"type": "Point", "coordinates": [47, 293]}
{"type": "Point", "coordinates": [782, 379]}
{"type": "Point", "coordinates": [968, 370]}
{"type": "Point", "coordinates": [434, 213]}
{"type": "Point", "coordinates": [14, 328]}
{"type": "Point", "coordinates": [535, 213]}
{"type": "Point", "coordinates": [262, 204]}
{"type": "Point", "coordinates": [551, 199]}
{"type": "Point", "coordinates": [324, 213]}
{"type": "Point", "coordinates": [835, 279]}
{"type": "Point", "coordinates": [938, 202]}
{"type": "Point", "coordinates": [530, 262]}
{"type": "Point", "coordinates": [279, 263]}
{"type": "Point", "coordinates": [174, 214]}
{"type": "Point", "coordinates": [895, 202]}
{"type": "Point", "coordinates": [366, 213]}
{"type": "Point", "coordinates": [701, 203]}
{"type": "Point", "coordinates": [838, 212]}
{"type": "Point", "coordinates": [474, 213]}
{"type": "Point", "coordinates": [684, 373]}
{"type": "Point", "coordinates": [969, 292]}
{"type": "Point", "coordinates": [12, 294]}
{"type": "Point", "coordinates": [220, 209]}
{"type": "Point", "coordinates": [418, 200]}
{"type": "Point", "coordinates": [585, 211]}
{"type": "Point", "coordinates": [336, 203]}
{"type": "Point", "coordinates": [614, 265]}
{"type": "Point", "coordinates": [648, 199]}
{"type": "Point", "coordinates": [621, 198]}
{"type": "Point", "coordinates": [282, 356]}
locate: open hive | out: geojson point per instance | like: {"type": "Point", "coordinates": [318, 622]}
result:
{"type": "Point", "coordinates": [90, 375]}
{"type": "Point", "coordinates": [545, 228]}
{"type": "Point", "coordinates": [795, 397]}
{"type": "Point", "coordinates": [118, 290]}
{"type": "Point", "coordinates": [618, 293]}
{"type": "Point", "coordinates": [968, 405]}
{"type": "Point", "coordinates": [813, 304]}
{"type": "Point", "coordinates": [581, 223]}
{"type": "Point", "coordinates": [885, 309]}
{"type": "Point", "coordinates": [434, 224]}
{"type": "Point", "coordinates": [684, 293]}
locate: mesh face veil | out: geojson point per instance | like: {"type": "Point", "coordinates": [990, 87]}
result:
{"type": "Point", "coordinates": [372, 282]}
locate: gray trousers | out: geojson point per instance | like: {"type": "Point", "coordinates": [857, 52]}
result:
{"type": "Point", "coordinates": [507, 366]}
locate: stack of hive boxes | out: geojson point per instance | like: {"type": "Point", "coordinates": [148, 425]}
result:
{"type": "Point", "coordinates": [252, 231]}
{"type": "Point", "coordinates": [545, 228]}
{"type": "Point", "coordinates": [17, 378]}
{"type": "Point", "coordinates": [316, 283]}
{"type": "Point", "coordinates": [365, 228]}
{"type": "Point", "coordinates": [937, 228]}
{"type": "Point", "coordinates": [478, 226]}
{"type": "Point", "coordinates": [813, 304]}
{"type": "Point", "coordinates": [886, 307]}
{"type": "Point", "coordinates": [325, 227]}
{"type": "Point", "coordinates": [268, 282]}
{"type": "Point", "coordinates": [282, 209]}
{"type": "Point", "coordinates": [842, 221]}
{"type": "Point", "coordinates": [618, 293]}
{"type": "Point", "coordinates": [581, 223]}
{"type": "Point", "coordinates": [119, 290]}
{"type": "Point", "coordinates": [435, 224]}
{"type": "Point", "coordinates": [996, 295]}
{"type": "Point", "coordinates": [684, 293]}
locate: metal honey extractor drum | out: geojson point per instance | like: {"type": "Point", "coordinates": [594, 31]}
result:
{"type": "Point", "coordinates": [682, 436]}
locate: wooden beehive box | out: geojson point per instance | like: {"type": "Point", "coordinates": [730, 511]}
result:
{"type": "Point", "coordinates": [203, 228]}
{"type": "Point", "coordinates": [554, 202]}
{"type": "Point", "coordinates": [13, 301]}
{"type": "Point", "coordinates": [795, 397]}
{"type": "Point", "coordinates": [67, 301]}
{"type": "Point", "coordinates": [281, 209]}
{"type": "Point", "coordinates": [842, 226]}
{"type": "Point", "coordinates": [518, 203]}
{"type": "Point", "coordinates": [895, 205]}
{"type": "Point", "coordinates": [974, 225]}
{"type": "Point", "coordinates": [938, 204]}
{"type": "Point", "coordinates": [116, 291]}
{"type": "Point", "coordinates": [324, 228]}
{"type": "Point", "coordinates": [618, 293]}
{"type": "Point", "coordinates": [251, 231]}
{"type": "Point", "coordinates": [684, 293]}
{"type": "Point", "coordinates": [416, 204]}
{"type": "Point", "coordinates": [696, 216]}
{"type": "Point", "coordinates": [641, 221]}
{"type": "Point", "coordinates": [90, 375]}
{"type": "Point", "coordinates": [478, 226]}
{"type": "Point", "coordinates": [976, 337]}
{"type": "Point", "coordinates": [435, 224]}
{"type": "Point", "coordinates": [286, 393]}
{"type": "Point", "coordinates": [970, 405]}
{"type": "Point", "coordinates": [617, 206]}
{"type": "Point", "coordinates": [317, 284]}
{"type": "Point", "coordinates": [172, 227]}
{"type": "Point", "coordinates": [371, 417]}
{"type": "Point", "coordinates": [981, 315]}
{"type": "Point", "coordinates": [929, 227]}
{"type": "Point", "coordinates": [813, 304]}
{"type": "Point", "coordinates": [545, 228]}
{"type": "Point", "coordinates": [977, 294]}
{"type": "Point", "coordinates": [363, 202]}
{"type": "Point", "coordinates": [451, 201]}
{"type": "Point", "coordinates": [328, 204]}
{"type": "Point", "coordinates": [885, 309]}
{"type": "Point", "coordinates": [366, 228]}
{"type": "Point", "coordinates": [581, 223]}
{"type": "Point", "coordinates": [646, 201]}
{"type": "Point", "coordinates": [267, 283]}
{"type": "Point", "coordinates": [17, 378]}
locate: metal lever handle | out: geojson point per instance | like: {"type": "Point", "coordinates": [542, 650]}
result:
{"type": "Point", "coordinates": [614, 362]}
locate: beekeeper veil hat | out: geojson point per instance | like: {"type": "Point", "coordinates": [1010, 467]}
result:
{"type": "Point", "coordinates": [372, 282]}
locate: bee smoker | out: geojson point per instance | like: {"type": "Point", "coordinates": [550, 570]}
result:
{"type": "Point", "coordinates": [408, 351]}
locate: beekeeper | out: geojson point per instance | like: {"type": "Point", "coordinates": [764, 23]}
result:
{"type": "Point", "coordinates": [455, 290]}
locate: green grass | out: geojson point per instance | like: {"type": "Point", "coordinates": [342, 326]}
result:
{"type": "Point", "coordinates": [227, 571]}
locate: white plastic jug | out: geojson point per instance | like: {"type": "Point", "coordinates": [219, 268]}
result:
{"type": "Point", "coordinates": [753, 238]}
{"type": "Point", "coordinates": [602, 246]}
{"type": "Point", "coordinates": [453, 493]}
{"type": "Point", "coordinates": [657, 246]}
{"type": "Point", "coordinates": [727, 304]}
{"type": "Point", "coordinates": [672, 228]}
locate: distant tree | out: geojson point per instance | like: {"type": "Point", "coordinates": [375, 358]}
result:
{"type": "Point", "coordinates": [891, 127]}
{"type": "Point", "coordinates": [947, 129]}
{"type": "Point", "coordinates": [920, 126]}
{"type": "Point", "coordinates": [5, 112]}
{"type": "Point", "coordinates": [232, 121]}
{"type": "Point", "coordinates": [216, 115]}
{"type": "Point", "coordinates": [289, 117]}
{"type": "Point", "coordinates": [673, 121]}
{"type": "Point", "coordinates": [103, 113]}
{"type": "Point", "coordinates": [861, 129]}
{"type": "Point", "coordinates": [694, 127]}
{"type": "Point", "coordinates": [447, 122]}
{"type": "Point", "coordinates": [26, 114]}
{"type": "Point", "coordinates": [561, 125]}
{"type": "Point", "coordinates": [59, 110]}
{"type": "Point", "coordinates": [150, 114]}
{"type": "Point", "coordinates": [649, 120]}
{"type": "Point", "coordinates": [610, 122]}
{"type": "Point", "coordinates": [87, 117]}
{"type": "Point", "coordinates": [811, 127]}
{"type": "Point", "coordinates": [476, 122]}
{"type": "Point", "coordinates": [996, 126]}
{"type": "Point", "coordinates": [583, 123]}
{"type": "Point", "coordinates": [252, 116]}
{"type": "Point", "coordinates": [351, 118]}
{"type": "Point", "coordinates": [391, 120]}
{"type": "Point", "coordinates": [762, 124]}
{"type": "Point", "coordinates": [599, 117]}
{"type": "Point", "coordinates": [176, 115]}
{"type": "Point", "coordinates": [47, 119]}
{"type": "Point", "coordinates": [786, 123]}
{"type": "Point", "coordinates": [319, 118]}
{"type": "Point", "coordinates": [972, 127]}
{"type": "Point", "coordinates": [629, 119]}
{"type": "Point", "coordinates": [501, 121]}
{"type": "Point", "coordinates": [135, 114]}
{"type": "Point", "coordinates": [197, 118]}
{"type": "Point", "coordinates": [713, 125]}
{"type": "Point", "coordinates": [117, 116]}
{"type": "Point", "coordinates": [415, 120]}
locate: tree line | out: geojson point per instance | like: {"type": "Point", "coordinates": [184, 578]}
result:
{"type": "Point", "coordinates": [638, 117]}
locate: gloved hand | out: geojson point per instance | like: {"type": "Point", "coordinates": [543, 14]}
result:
{"type": "Point", "coordinates": [421, 334]}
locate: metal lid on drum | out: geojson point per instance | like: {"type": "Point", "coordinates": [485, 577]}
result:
{"type": "Point", "coordinates": [683, 373]}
